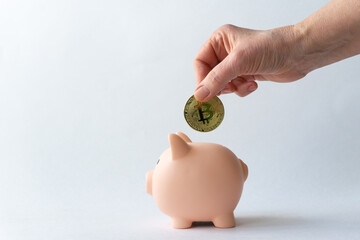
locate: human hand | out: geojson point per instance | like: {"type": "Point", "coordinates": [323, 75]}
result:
{"type": "Point", "coordinates": [234, 57]}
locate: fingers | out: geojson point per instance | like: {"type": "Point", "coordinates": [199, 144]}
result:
{"type": "Point", "coordinates": [217, 69]}
{"type": "Point", "coordinates": [229, 88]}
{"type": "Point", "coordinates": [243, 86]}
{"type": "Point", "coordinates": [215, 80]}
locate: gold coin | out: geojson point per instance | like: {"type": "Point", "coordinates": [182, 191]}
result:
{"type": "Point", "coordinates": [204, 116]}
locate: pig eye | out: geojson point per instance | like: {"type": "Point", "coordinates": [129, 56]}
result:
{"type": "Point", "coordinates": [158, 161]}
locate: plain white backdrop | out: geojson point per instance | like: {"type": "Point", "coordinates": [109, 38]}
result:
{"type": "Point", "coordinates": [89, 91]}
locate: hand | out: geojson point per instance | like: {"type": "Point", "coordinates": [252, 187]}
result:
{"type": "Point", "coordinates": [234, 57]}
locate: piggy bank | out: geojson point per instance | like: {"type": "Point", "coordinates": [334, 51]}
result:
{"type": "Point", "coordinates": [197, 182]}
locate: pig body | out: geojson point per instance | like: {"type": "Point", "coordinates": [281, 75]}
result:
{"type": "Point", "coordinates": [197, 182]}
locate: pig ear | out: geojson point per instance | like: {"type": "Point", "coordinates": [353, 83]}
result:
{"type": "Point", "coordinates": [184, 137]}
{"type": "Point", "coordinates": [178, 146]}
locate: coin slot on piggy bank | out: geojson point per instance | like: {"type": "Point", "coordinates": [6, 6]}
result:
{"type": "Point", "coordinates": [197, 182]}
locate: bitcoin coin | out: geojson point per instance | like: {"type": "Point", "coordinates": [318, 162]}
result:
{"type": "Point", "coordinates": [204, 116]}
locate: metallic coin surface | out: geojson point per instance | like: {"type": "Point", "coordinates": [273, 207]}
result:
{"type": "Point", "coordinates": [204, 116]}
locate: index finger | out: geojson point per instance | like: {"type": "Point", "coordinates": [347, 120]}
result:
{"type": "Point", "coordinates": [205, 60]}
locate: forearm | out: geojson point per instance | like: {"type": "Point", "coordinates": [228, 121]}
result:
{"type": "Point", "coordinates": [330, 34]}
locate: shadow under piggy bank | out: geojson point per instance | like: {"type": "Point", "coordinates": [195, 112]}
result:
{"type": "Point", "coordinates": [260, 222]}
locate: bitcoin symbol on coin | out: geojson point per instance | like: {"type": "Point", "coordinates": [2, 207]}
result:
{"type": "Point", "coordinates": [204, 116]}
{"type": "Point", "coordinates": [207, 113]}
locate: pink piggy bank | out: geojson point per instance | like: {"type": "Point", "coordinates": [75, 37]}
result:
{"type": "Point", "coordinates": [197, 182]}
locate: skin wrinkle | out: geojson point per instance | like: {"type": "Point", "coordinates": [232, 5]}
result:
{"type": "Point", "coordinates": [215, 80]}
{"type": "Point", "coordinates": [278, 59]}
{"type": "Point", "coordinates": [214, 54]}
{"type": "Point", "coordinates": [203, 62]}
{"type": "Point", "coordinates": [214, 41]}
{"type": "Point", "coordinates": [226, 40]}
{"type": "Point", "coordinates": [233, 63]}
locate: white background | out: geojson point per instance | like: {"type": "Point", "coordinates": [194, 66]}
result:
{"type": "Point", "coordinates": [89, 91]}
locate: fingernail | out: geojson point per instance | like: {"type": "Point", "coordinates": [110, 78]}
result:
{"type": "Point", "coordinates": [252, 88]}
{"type": "Point", "coordinates": [201, 92]}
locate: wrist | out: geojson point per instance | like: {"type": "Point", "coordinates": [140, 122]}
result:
{"type": "Point", "coordinates": [306, 53]}
{"type": "Point", "coordinates": [293, 45]}
{"type": "Point", "coordinates": [329, 35]}
{"type": "Point", "coordinates": [320, 46]}
{"type": "Point", "coordinates": [309, 56]}
{"type": "Point", "coordinates": [304, 56]}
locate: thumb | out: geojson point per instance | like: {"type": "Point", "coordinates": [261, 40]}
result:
{"type": "Point", "coordinates": [215, 80]}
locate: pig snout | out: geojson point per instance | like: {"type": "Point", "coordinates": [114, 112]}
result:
{"type": "Point", "coordinates": [149, 175]}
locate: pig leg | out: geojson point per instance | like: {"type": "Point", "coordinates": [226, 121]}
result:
{"type": "Point", "coordinates": [181, 223]}
{"type": "Point", "coordinates": [224, 221]}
